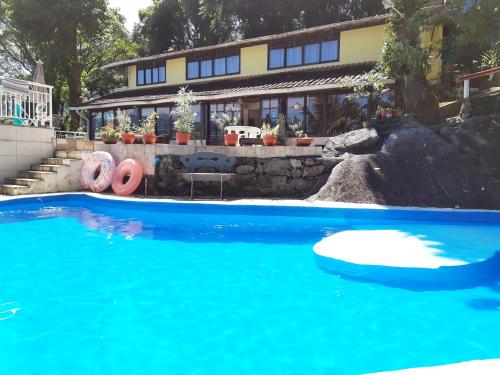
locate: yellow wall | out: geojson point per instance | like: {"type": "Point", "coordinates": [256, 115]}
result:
{"type": "Point", "coordinates": [253, 60]}
{"type": "Point", "coordinates": [132, 77]}
{"type": "Point", "coordinates": [358, 45]}
{"type": "Point", "coordinates": [433, 39]}
{"type": "Point", "coordinates": [176, 71]}
{"type": "Point", "coordinates": [361, 44]}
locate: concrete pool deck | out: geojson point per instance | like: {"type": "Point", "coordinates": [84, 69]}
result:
{"type": "Point", "coordinates": [482, 367]}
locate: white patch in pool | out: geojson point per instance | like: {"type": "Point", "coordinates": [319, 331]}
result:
{"type": "Point", "coordinates": [384, 248]}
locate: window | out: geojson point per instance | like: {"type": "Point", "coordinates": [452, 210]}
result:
{"type": "Point", "coordinates": [329, 50]}
{"type": "Point", "coordinates": [151, 75]}
{"type": "Point", "coordinates": [276, 58]}
{"type": "Point", "coordinates": [140, 77]}
{"type": "Point", "coordinates": [193, 70]}
{"type": "Point", "coordinates": [295, 110]}
{"type": "Point", "coordinates": [234, 111]}
{"type": "Point", "coordinates": [164, 123]}
{"type": "Point", "coordinates": [293, 56]}
{"type": "Point", "coordinates": [311, 53]}
{"type": "Point", "coordinates": [344, 110]}
{"type": "Point", "coordinates": [233, 65]}
{"type": "Point", "coordinates": [133, 113]}
{"type": "Point", "coordinates": [206, 68]}
{"type": "Point", "coordinates": [314, 114]}
{"type": "Point", "coordinates": [220, 66]}
{"type": "Point", "coordinates": [270, 110]}
{"type": "Point", "coordinates": [96, 123]}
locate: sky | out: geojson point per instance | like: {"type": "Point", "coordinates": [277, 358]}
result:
{"type": "Point", "coordinates": [130, 9]}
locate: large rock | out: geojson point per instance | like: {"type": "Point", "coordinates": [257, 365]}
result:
{"type": "Point", "coordinates": [415, 167]}
{"type": "Point", "coordinates": [362, 141]}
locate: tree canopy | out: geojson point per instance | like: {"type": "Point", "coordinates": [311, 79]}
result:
{"type": "Point", "coordinates": [174, 24]}
{"type": "Point", "coordinates": [73, 38]}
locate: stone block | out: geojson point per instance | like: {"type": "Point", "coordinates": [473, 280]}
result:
{"type": "Point", "coordinates": [313, 171]}
{"type": "Point", "coordinates": [245, 169]}
{"type": "Point", "coordinates": [32, 149]}
{"type": "Point", "coordinates": [279, 180]}
{"type": "Point", "coordinates": [295, 163]}
{"type": "Point", "coordinates": [277, 167]}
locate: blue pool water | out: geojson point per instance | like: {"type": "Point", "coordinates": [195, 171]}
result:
{"type": "Point", "coordinates": [91, 285]}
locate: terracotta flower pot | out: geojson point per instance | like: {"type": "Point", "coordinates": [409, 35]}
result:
{"type": "Point", "coordinates": [231, 139]}
{"type": "Point", "coordinates": [128, 138]}
{"type": "Point", "coordinates": [269, 140]}
{"type": "Point", "coordinates": [149, 139]}
{"type": "Point", "coordinates": [383, 115]}
{"type": "Point", "coordinates": [395, 114]}
{"type": "Point", "coordinates": [182, 138]}
{"type": "Point", "coordinates": [306, 141]}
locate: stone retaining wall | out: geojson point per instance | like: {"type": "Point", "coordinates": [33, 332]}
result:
{"type": "Point", "coordinates": [290, 177]}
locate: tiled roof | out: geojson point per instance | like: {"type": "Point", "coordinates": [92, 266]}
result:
{"type": "Point", "coordinates": [311, 79]}
{"type": "Point", "coordinates": [345, 25]}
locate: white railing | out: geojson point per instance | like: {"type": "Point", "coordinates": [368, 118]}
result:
{"type": "Point", "coordinates": [25, 103]}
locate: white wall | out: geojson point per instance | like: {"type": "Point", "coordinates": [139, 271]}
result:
{"type": "Point", "coordinates": [22, 146]}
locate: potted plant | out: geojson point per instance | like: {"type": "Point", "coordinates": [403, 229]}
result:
{"type": "Point", "coordinates": [125, 123]}
{"type": "Point", "coordinates": [301, 138]}
{"type": "Point", "coordinates": [224, 120]}
{"type": "Point", "coordinates": [110, 134]}
{"type": "Point", "coordinates": [269, 134]}
{"type": "Point", "coordinates": [148, 129]}
{"type": "Point", "coordinates": [381, 113]}
{"type": "Point", "coordinates": [184, 124]}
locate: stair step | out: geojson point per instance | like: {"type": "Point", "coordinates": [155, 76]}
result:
{"type": "Point", "coordinates": [61, 154]}
{"type": "Point", "coordinates": [46, 167]}
{"type": "Point", "coordinates": [58, 161]}
{"type": "Point", "coordinates": [9, 189]}
{"type": "Point", "coordinates": [22, 181]}
{"type": "Point", "coordinates": [39, 175]}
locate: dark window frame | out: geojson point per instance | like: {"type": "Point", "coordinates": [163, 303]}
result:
{"type": "Point", "coordinates": [143, 68]}
{"type": "Point", "coordinates": [213, 67]}
{"type": "Point", "coordinates": [285, 65]}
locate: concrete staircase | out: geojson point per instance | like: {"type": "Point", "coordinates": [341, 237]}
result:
{"type": "Point", "coordinates": [52, 175]}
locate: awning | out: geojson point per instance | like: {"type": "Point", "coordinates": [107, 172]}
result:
{"type": "Point", "coordinates": [284, 83]}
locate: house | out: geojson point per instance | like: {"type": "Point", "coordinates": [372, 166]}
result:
{"type": "Point", "coordinates": [297, 74]}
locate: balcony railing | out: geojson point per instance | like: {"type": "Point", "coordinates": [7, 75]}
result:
{"type": "Point", "coordinates": [25, 103]}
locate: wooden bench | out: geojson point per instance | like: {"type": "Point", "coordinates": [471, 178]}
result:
{"type": "Point", "coordinates": [220, 162]}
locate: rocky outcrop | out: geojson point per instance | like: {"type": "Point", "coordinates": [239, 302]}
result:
{"type": "Point", "coordinates": [455, 165]}
{"type": "Point", "coordinates": [362, 141]}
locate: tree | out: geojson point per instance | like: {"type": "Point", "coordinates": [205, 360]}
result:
{"type": "Point", "coordinates": [177, 24]}
{"type": "Point", "coordinates": [407, 61]}
{"type": "Point", "coordinates": [73, 38]}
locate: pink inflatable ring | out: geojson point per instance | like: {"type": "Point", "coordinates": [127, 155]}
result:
{"type": "Point", "coordinates": [105, 161]}
{"type": "Point", "coordinates": [127, 167]}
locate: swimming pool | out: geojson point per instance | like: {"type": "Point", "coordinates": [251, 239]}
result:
{"type": "Point", "coordinates": [91, 285]}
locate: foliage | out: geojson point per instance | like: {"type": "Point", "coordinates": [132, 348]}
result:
{"type": "Point", "coordinates": [178, 24]}
{"type": "Point", "coordinates": [149, 126]}
{"type": "Point", "coordinates": [226, 119]}
{"type": "Point", "coordinates": [72, 37]}
{"type": "Point", "coordinates": [125, 122]}
{"type": "Point", "coordinates": [268, 129]}
{"type": "Point", "coordinates": [185, 117]}
{"type": "Point", "coordinates": [490, 59]}
{"type": "Point", "coordinates": [296, 128]}
{"type": "Point", "coordinates": [473, 27]}
{"type": "Point", "coordinates": [110, 131]}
